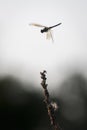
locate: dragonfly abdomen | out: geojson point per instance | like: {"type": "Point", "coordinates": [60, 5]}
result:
{"type": "Point", "coordinates": [54, 26]}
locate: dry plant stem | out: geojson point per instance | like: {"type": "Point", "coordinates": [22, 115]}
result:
{"type": "Point", "coordinates": [50, 109]}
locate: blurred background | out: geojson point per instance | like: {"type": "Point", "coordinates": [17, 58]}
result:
{"type": "Point", "coordinates": [22, 109]}
{"type": "Point", "coordinates": [24, 52]}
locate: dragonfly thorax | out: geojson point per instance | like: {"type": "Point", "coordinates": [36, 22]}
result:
{"type": "Point", "coordinates": [44, 30]}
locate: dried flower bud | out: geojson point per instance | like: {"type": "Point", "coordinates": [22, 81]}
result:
{"type": "Point", "coordinates": [54, 105]}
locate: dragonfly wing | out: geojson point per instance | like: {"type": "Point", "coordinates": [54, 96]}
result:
{"type": "Point", "coordinates": [38, 25]}
{"type": "Point", "coordinates": [49, 35]}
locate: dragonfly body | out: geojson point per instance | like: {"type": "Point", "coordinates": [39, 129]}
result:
{"type": "Point", "coordinates": [46, 29]}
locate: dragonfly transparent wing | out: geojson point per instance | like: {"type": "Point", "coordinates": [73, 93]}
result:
{"type": "Point", "coordinates": [37, 25]}
{"type": "Point", "coordinates": [49, 35]}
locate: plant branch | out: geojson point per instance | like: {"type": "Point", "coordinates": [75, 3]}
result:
{"type": "Point", "coordinates": [50, 107]}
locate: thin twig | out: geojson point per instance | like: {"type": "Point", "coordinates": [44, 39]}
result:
{"type": "Point", "coordinates": [50, 107]}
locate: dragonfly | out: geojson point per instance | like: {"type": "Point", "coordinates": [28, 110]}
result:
{"type": "Point", "coordinates": [46, 29]}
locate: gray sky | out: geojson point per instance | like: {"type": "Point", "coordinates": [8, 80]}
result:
{"type": "Point", "coordinates": [24, 51]}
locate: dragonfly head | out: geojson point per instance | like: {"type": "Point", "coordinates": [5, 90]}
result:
{"type": "Point", "coordinates": [42, 31]}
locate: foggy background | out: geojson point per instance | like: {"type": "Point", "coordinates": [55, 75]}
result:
{"type": "Point", "coordinates": [24, 52]}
